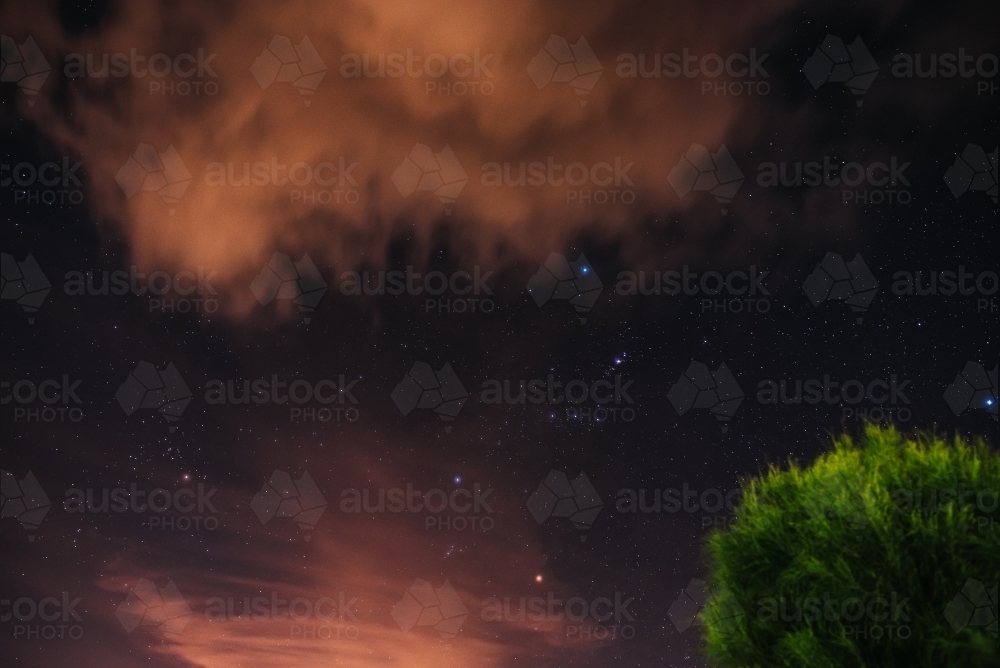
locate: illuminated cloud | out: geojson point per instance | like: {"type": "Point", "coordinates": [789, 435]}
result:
{"type": "Point", "coordinates": [404, 140]}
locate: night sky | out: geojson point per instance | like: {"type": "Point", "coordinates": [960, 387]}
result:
{"type": "Point", "coordinates": [393, 393]}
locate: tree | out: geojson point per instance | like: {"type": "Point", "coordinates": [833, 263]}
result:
{"type": "Point", "coordinates": [883, 553]}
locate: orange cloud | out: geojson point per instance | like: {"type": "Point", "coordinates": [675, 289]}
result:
{"type": "Point", "coordinates": [337, 127]}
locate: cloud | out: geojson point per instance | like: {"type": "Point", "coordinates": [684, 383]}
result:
{"type": "Point", "coordinates": [366, 561]}
{"type": "Point", "coordinates": [365, 127]}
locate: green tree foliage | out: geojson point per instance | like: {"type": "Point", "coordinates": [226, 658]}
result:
{"type": "Point", "coordinates": [884, 553]}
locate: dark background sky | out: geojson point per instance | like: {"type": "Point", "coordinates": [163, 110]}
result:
{"type": "Point", "coordinates": [648, 340]}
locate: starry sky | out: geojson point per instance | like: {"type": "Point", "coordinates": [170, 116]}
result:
{"type": "Point", "coordinates": [393, 393]}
